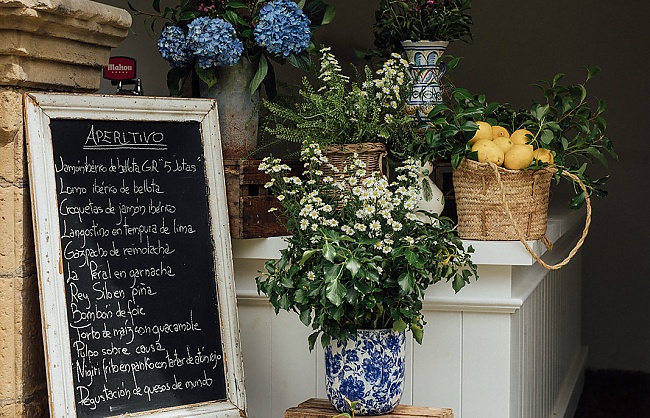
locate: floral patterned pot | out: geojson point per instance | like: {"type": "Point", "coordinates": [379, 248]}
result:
{"type": "Point", "coordinates": [367, 368]}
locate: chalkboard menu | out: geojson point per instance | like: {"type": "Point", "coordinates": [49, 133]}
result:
{"type": "Point", "coordinates": [136, 262]}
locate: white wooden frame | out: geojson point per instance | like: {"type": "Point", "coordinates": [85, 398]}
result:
{"type": "Point", "coordinates": [39, 109]}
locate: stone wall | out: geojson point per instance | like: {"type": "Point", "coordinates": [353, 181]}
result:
{"type": "Point", "coordinates": [46, 45]}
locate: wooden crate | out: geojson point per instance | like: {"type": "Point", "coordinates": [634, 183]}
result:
{"type": "Point", "coordinates": [249, 202]}
{"type": "Point", "coordinates": [321, 408]}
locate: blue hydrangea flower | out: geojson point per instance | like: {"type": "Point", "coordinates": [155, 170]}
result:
{"type": "Point", "coordinates": [213, 42]}
{"type": "Point", "coordinates": [172, 46]}
{"type": "Point", "coordinates": [283, 28]}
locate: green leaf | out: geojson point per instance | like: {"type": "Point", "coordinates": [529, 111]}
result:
{"type": "Point", "coordinates": [335, 292]}
{"type": "Point", "coordinates": [595, 152]}
{"type": "Point", "coordinates": [156, 5]}
{"type": "Point", "coordinates": [461, 93]}
{"type": "Point", "coordinates": [329, 252]}
{"type": "Point", "coordinates": [236, 5]}
{"type": "Point", "coordinates": [592, 71]}
{"type": "Point", "coordinates": [577, 201]}
{"type": "Point", "coordinates": [399, 325]}
{"type": "Point", "coordinates": [469, 126]}
{"type": "Point", "coordinates": [406, 282]}
{"type": "Point", "coordinates": [284, 302]}
{"type": "Point", "coordinates": [547, 136]}
{"type": "Point", "coordinates": [176, 78]}
{"type": "Point", "coordinates": [418, 333]}
{"type": "Point", "coordinates": [307, 255]}
{"type": "Point", "coordinates": [490, 108]}
{"type": "Point", "coordinates": [539, 112]}
{"type": "Point", "coordinates": [318, 12]}
{"type": "Point", "coordinates": [312, 339]}
{"type": "Point", "coordinates": [305, 317]}
{"type": "Point", "coordinates": [458, 283]}
{"type": "Point", "coordinates": [436, 110]}
{"type": "Point", "coordinates": [301, 61]}
{"type": "Point", "coordinates": [329, 15]}
{"type": "Point", "coordinates": [301, 296]}
{"type": "Point", "coordinates": [470, 112]}
{"type": "Point", "coordinates": [353, 265]}
{"type": "Point", "coordinates": [557, 78]}
{"type": "Point", "coordinates": [333, 272]}
{"type": "Point", "coordinates": [260, 74]}
{"type": "Point", "coordinates": [208, 76]}
{"type": "Point", "coordinates": [453, 63]}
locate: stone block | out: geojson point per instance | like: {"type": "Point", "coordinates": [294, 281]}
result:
{"type": "Point", "coordinates": [8, 262]}
{"type": "Point", "coordinates": [22, 362]}
{"type": "Point", "coordinates": [8, 331]}
{"type": "Point", "coordinates": [58, 44]}
{"type": "Point", "coordinates": [12, 410]}
{"type": "Point", "coordinates": [31, 367]}
{"type": "Point", "coordinates": [12, 161]}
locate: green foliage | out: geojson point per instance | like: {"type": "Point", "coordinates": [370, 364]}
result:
{"type": "Point", "coordinates": [416, 20]}
{"type": "Point", "coordinates": [351, 405]}
{"type": "Point", "coordinates": [339, 111]}
{"type": "Point", "coordinates": [358, 256]}
{"type": "Point", "coordinates": [565, 122]}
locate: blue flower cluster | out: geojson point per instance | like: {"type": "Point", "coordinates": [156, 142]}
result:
{"type": "Point", "coordinates": [283, 28]}
{"type": "Point", "coordinates": [213, 42]}
{"type": "Point", "coordinates": [172, 46]}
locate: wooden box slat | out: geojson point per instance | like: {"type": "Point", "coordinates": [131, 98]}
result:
{"type": "Point", "coordinates": [249, 202]}
{"type": "Point", "coordinates": [321, 408]}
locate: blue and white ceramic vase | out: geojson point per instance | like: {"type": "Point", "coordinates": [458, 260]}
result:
{"type": "Point", "coordinates": [367, 368]}
{"type": "Point", "coordinates": [426, 73]}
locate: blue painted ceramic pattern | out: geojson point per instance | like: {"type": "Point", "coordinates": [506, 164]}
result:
{"type": "Point", "coordinates": [368, 368]}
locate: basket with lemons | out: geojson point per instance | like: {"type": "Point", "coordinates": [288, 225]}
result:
{"type": "Point", "coordinates": [562, 136]}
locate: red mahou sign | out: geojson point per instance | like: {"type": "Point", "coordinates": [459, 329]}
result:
{"type": "Point", "coordinates": [120, 68]}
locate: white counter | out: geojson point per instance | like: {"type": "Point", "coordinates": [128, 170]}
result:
{"type": "Point", "coordinates": [507, 345]}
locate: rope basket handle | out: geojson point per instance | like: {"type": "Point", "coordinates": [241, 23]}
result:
{"type": "Point", "coordinates": [585, 231]}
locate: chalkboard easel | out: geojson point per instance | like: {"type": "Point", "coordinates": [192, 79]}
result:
{"type": "Point", "coordinates": [134, 260]}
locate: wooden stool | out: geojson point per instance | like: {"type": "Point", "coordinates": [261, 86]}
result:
{"type": "Point", "coordinates": [321, 408]}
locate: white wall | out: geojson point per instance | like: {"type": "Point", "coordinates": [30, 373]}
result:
{"type": "Point", "coordinates": [518, 43]}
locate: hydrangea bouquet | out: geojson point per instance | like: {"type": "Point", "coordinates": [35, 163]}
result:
{"type": "Point", "coordinates": [208, 34]}
{"type": "Point", "coordinates": [358, 256]}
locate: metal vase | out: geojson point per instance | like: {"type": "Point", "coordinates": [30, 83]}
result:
{"type": "Point", "coordinates": [238, 109]}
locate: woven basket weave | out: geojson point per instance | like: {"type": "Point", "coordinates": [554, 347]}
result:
{"type": "Point", "coordinates": [371, 153]}
{"type": "Point", "coordinates": [482, 214]}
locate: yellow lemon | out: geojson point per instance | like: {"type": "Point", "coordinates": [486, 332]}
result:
{"type": "Point", "coordinates": [488, 151]}
{"type": "Point", "coordinates": [519, 136]}
{"type": "Point", "coordinates": [518, 157]}
{"type": "Point", "coordinates": [504, 143]}
{"type": "Point", "coordinates": [499, 131]}
{"type": "Point", "coordinates": [484, 131]}
{"type": "Point", "coordinates": [543, 155]}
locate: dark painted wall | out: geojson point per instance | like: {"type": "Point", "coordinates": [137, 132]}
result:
{"type": "Point", "coordinates": [517, 43]}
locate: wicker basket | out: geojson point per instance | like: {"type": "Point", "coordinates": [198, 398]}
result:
{"type": "Point", "coordinates": [488, 196]}
{"type": "Point", "coordinates": [371, 153]}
